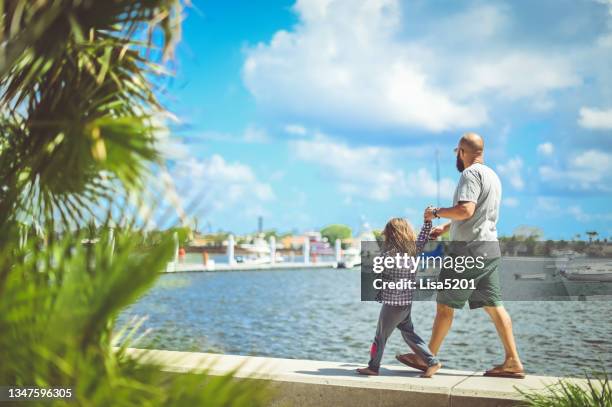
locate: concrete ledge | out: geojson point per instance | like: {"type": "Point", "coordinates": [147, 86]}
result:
{"type": "Point", "coordinates": [317, 383]}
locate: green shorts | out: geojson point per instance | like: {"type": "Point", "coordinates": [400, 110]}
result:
{"type": "Point", "coordinates": [484, 291]}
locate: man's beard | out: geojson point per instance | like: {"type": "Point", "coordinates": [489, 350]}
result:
{"type": "Point", "coordinates": [460, 166]}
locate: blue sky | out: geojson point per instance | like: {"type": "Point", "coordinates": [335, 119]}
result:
{"type": "Point", "coordinates": [316, 112]}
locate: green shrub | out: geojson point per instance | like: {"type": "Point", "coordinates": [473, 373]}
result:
{"type": "Point", "coordinates": [565, 393]}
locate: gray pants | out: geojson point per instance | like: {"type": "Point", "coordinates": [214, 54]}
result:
{"type": "Point", "coordinates": [392, 317]}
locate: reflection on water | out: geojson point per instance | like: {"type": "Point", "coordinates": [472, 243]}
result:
{"type": "Point", "coordinates": [317, 314]}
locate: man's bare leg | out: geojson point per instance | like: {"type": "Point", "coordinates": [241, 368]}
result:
{"type": "Point", "coordinates": [431, 370]}
{"type": "Point", "coordinates": [441, 326]}
{"type": "Point", "coordinates": [503, 324]}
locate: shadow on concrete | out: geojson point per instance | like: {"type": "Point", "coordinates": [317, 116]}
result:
{"type": "Point", "coordinates": [350, 371]}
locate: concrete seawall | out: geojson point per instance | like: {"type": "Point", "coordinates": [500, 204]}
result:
{"type": "Point", "coordinates": [316, 383]}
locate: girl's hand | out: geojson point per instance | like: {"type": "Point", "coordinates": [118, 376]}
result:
{"type": "Point", "coordinates": [436, 232]}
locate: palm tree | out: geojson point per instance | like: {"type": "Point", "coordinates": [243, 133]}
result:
{"type": "Point", "coordinates": [592, 234]}
{"type": "Point", "coordinates": [78, 133]}
{"type": "Point", "coordinates": [78, 101]}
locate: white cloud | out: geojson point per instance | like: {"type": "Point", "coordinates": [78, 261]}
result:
{"type": "Point", "coordinates": [596, 119]}
{"type": "Point", "coordinates": [597, 162]}
{"type": "Point", "coordinates": [173, 148]}
{"type": "Point", "coordinates": [351, 64]}
{"type": "Point", "coordinates": [170, 147]}
{"type": "Point", "coordinates": [277, 175]}
{"type": "Point", "coordinates": [582, 216]}
{"type": "Point", "coordinates": [510, 202]}
{"type": "Point", "coordinates": [521, 74]}
{"type": "Point", "coordinates": [605, 41]}
{"type": "Point", "coordinates": [608, 2]}
{"type": "Point", "coordinates": [295, 129]}
{"type": "Point", "coordinates": [369, 172]}
{"type": "Point", "coordinates": [578, 213]}
{"type": "Point", "coordinates": [512, 172]}
{"type": "Point", "coordinates": [492, 18]}
{"type": "Point", "coordinates": [342, 62]}
{"type": "Point", "coordinates": [254, 134]}
{"type": "Point", "coordinates": [546, 149]}
{"type": "Point", "coordinates": [549, 207]}
{"type": "Point", "coordinates": [587, 171]}
{"type": "Point", "coordinates": [221, 184]}
{"type": "Point", "coordinates": [547, 204]}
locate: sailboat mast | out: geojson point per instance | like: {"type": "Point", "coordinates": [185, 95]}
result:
{"type": "Point", "coordinates": [437, 178]}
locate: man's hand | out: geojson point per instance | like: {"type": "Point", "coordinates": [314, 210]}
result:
{"type": "Point", "coordinates": [428, 215]}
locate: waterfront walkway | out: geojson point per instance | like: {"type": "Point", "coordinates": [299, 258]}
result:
{"type": "Point", "coordinates": [317, 383]}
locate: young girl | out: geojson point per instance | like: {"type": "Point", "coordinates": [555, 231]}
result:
{"type": "Point", "coordinates": [397, 303]}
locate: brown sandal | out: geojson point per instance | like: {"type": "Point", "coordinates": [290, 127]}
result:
{"type": "Point", "coordinates": [408, 361]}
{"type": "Point", "coordinates": [500, 372]}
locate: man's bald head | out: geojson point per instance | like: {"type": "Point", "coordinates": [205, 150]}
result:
{"type": "Point", "coordinates": [472, 143]}
{"type": "Point", "coordinates": [469, 151]}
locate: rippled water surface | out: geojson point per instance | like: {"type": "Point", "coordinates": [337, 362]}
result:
{"type": "Point", "coordinates": [317, 314]}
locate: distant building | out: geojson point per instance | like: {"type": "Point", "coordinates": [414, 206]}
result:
{"type": "Point", "coordinates": [314, 236]}
{"type": "Point", "coordinates": [292, 242]}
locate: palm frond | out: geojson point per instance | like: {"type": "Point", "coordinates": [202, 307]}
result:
{"type": "Point", "coordinates": [80, 111]}
{"type": "Point", "coordinates": [58, 311]}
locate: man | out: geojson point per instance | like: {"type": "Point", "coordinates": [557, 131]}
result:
{"type": "Point", "coordinates": [473, 218]}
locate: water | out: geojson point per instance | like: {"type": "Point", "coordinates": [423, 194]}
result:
{"type": "Point", "coordinates": [316, 314]}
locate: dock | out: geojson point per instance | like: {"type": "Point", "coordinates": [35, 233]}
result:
{"type": "Point", "coordinates": [178, 267]}
{"type": "Point", "coordinates": [273, 263]}
{"type": "Point", "coordinates": [318, 383]}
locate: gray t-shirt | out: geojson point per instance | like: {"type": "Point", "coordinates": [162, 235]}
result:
{"type": "Point", "coordinates": [481, 185]}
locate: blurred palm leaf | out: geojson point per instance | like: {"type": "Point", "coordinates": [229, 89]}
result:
{"type": "Point", "coordinates": [58, 308]}
{"type": "Point", "coordinates": [79, 114]}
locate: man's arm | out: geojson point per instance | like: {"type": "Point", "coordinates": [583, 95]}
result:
{"type": "Point", "coordinates": [462, 211]}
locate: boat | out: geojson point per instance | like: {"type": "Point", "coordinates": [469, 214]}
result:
{"type": "Point", "coordinates": [535, 276]}
{"type": "Point", "coordinates": [567, 254]}
{"type": "Point", "coordinates": [258, 252]}
{"type": "Point", "coordinates": [597, 272]}
{"type": "Point", "coordinates": [351, 259]}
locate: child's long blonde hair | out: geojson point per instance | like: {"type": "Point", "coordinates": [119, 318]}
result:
{"type": "Point", "coordinates": [399, 236]}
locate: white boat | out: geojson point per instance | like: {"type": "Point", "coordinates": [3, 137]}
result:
{"type": "Point", "coordinates": [599, 272]}
{"type": "Point", "coordinates": [259, 247]}
{"type": "Point", "coordinates": [535, 276]}
{"type": "Point", "coordinates": [567, 254]}
{"type": "Point", "coordinates": [253, 259]}
{"type": "Point", "coordinates": [259, 252]}
{"type": "Point", "coordinates": [351, 258]}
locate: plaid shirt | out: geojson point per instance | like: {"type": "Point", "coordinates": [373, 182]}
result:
{"type": "Point", "coordinates": [401, 297]}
